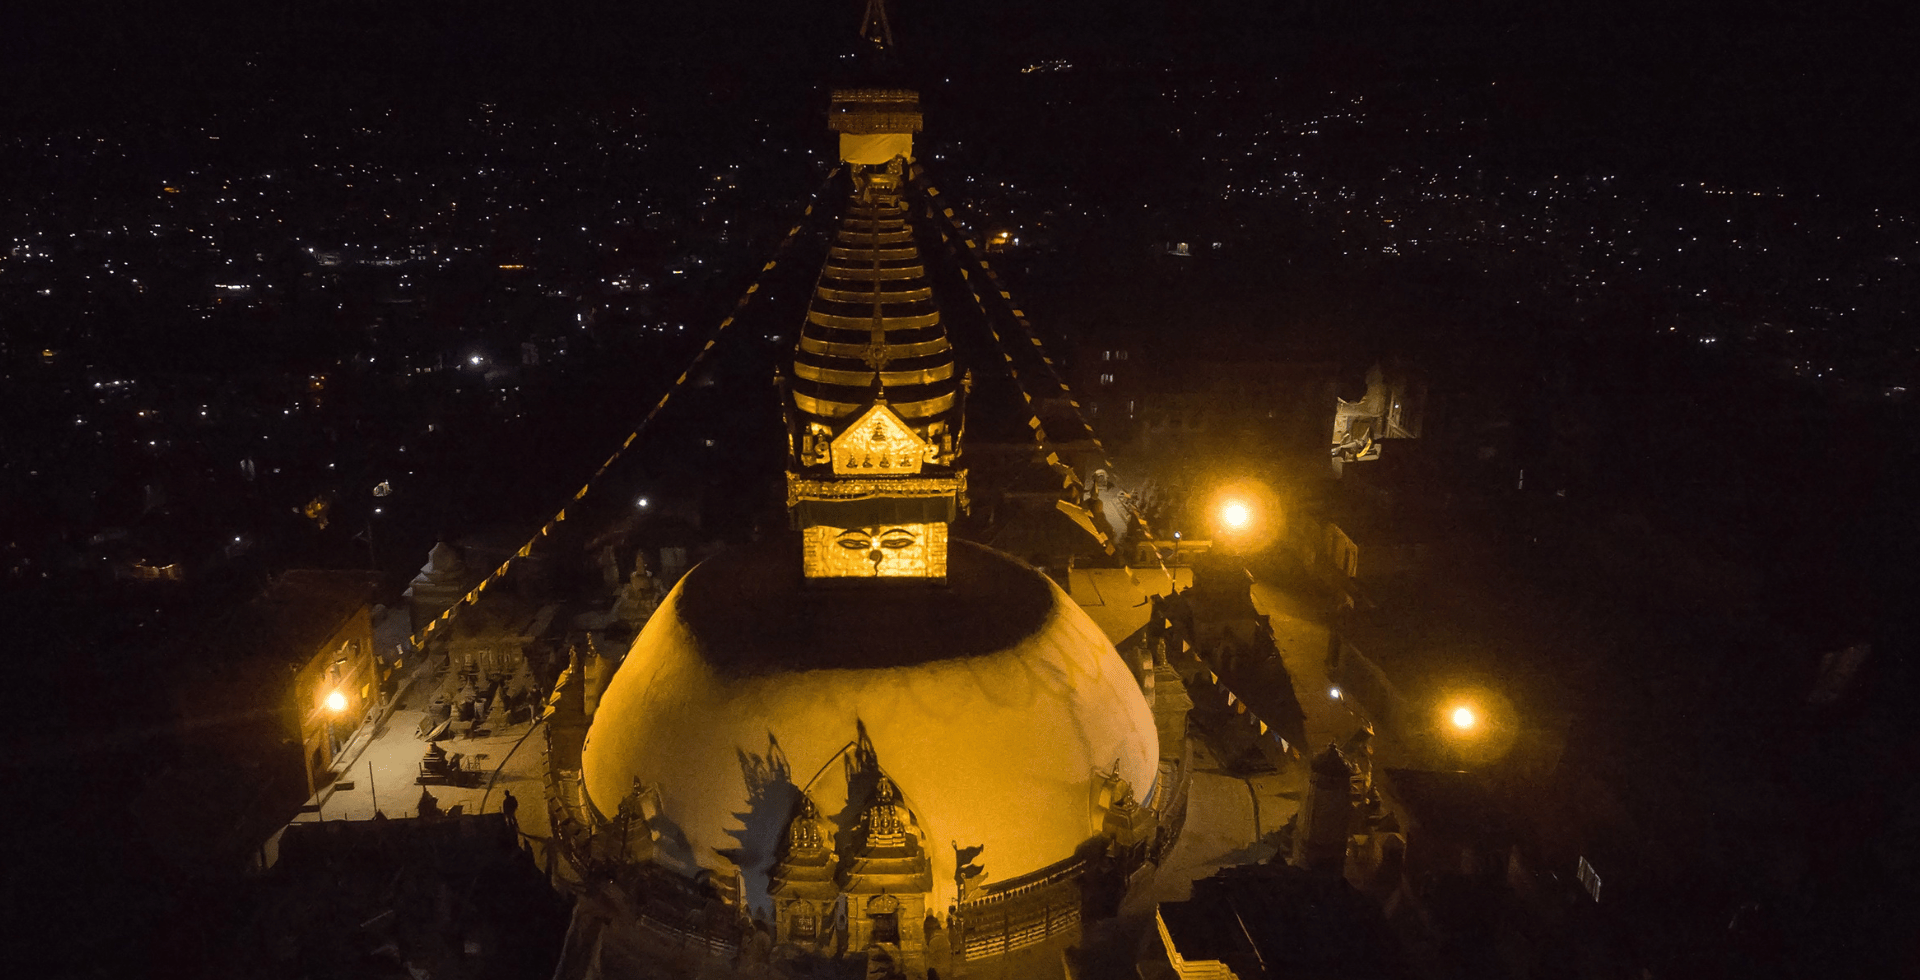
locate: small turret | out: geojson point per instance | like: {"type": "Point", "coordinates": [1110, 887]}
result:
{"type": "Point", "coordinates": [1320, 840]}
{"type": "Point", "coordinates": [440, 584]}
{"type": "Point", "coordinates": [801, 882]}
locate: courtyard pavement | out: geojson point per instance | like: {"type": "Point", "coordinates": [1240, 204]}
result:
{"type": "Point", "coordinates": [1300, 633]}
{"type": "Point", "coordinates": [387, 764]}
{"type": "Point", "coordinates": [1116, 598]}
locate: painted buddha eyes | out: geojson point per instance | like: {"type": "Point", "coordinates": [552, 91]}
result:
{"type": "Point", "coordinates": [892, 539]}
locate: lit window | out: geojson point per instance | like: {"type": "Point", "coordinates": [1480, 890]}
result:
{"type": "Point", "coordinates": [1106, 379]}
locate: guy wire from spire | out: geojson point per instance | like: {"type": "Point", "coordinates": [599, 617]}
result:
{"type": "Point", "coordinates": [1040, 349]}
{"type": "Point", "coordinates": [1052, 456]}
{"type": "Point", "coordinates": [419, 640]}
{"type": "Point", "coordinates": [1072, 478]}
{"type": "Point", "coordinates": [1019, 317]}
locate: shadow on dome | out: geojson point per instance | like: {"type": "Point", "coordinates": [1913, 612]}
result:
{"type": "Point", "coordinates": [771, 801]}
{"type": "Point", "coordinates": [752, 613]}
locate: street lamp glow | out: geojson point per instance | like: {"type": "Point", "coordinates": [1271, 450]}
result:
{"type": "Point", "coordinates": [336, 702]}
{"type": "Point", "coordinates": [1464, 718]}
{"type": "Point", "coordinates": [1236, 515]}
{"type": "Point", "coordinates": [1334, 693]}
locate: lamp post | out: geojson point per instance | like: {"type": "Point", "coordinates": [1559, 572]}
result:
{"type": "Point", "coordinates": [1464, 718]}
{"type": "Point", "coordinates": [1235, 515]}
{"type": "Point", "coordinates": [1471, 722]}
{"type": "Point", "coordinates": [1464, 724]}
{"type": "Point", "coordinates": [1233, 524]}
{"type": "Point", "coordinates": [335, 702]}
{"type": "Point", "coordinates": [1245, 515]}
{"type": "Point", "coordinates": [382, 489]}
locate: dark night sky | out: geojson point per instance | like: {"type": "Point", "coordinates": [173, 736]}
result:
{"type": "Point", "coordinates": [1801, 93]}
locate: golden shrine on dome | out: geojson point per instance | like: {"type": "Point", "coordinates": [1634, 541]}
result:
{"type": "Point", "coordinates": [875, 124]}
{"type": "Point", "coordinates": [879, 444]}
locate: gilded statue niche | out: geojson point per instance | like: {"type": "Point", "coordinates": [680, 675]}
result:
{"type": "Point", "coordinates": [879, 551]}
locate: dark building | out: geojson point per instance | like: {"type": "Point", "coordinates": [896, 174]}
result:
{"type": "Point", "coordinates": [1500, 879]}
{"type": "Point", "coordinates": [272, 693]}
{"type": "Point", "coordinates": [455, 898]}
{"type": "Point", "coordinates": [1272, 921]}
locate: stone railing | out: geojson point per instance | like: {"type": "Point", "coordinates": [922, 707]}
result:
{"type": "Point", "coordinates": [1070, 868]}
{"type": "Point", "coordinates": [1022, 933]}
{"type": "Point", "coordinates": [995, 923]}
{"type": "Point", "coordinates": [687, 937]}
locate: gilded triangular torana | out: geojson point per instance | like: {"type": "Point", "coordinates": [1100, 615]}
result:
{"type": "Point", "coordinates": [879, 444]}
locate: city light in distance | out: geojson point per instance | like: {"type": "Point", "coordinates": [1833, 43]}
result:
{"type": "Point", "coordinates": [643, 503]}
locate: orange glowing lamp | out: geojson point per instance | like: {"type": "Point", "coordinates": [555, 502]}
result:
{"type": "Point", "coordinates": [1236, 515]}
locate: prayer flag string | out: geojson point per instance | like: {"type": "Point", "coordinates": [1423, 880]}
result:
{"type": "Point", "coordinates": [1240, 707]}
{"type": "Point", "coordinates": [950, 223]}
{"type": "Point", "coordinates": [420, 639]}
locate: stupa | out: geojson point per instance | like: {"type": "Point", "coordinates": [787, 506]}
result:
{"type": "Point", "coordinates": [871, 738]}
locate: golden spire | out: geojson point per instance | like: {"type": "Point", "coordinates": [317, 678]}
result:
{"type": "Point", "coordinates": [874, 26]}
{"type": "Point", "coordinates": [876, 400]}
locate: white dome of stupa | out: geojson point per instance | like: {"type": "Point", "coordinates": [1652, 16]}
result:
{"type": "Point", "coordinates": [993, 704]}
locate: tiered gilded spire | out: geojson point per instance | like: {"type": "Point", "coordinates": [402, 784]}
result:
{"type": "Point", "coordinates": [875, 398]}
{"type": "Point", "coordinates": [873, 330]}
